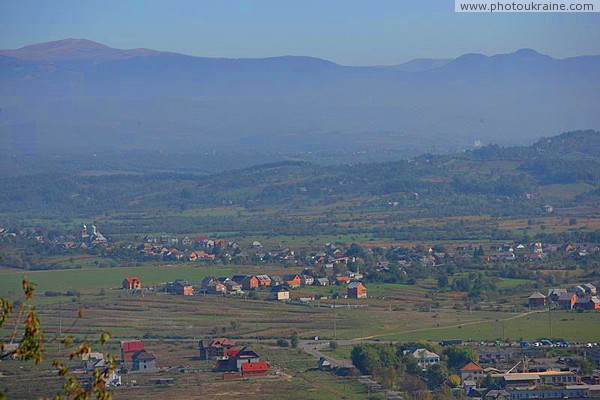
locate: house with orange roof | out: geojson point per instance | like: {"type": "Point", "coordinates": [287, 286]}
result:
{"type": "Point", "coordinates": [471, 372]}
{"type": "Point", "coordinates": [132, 282]}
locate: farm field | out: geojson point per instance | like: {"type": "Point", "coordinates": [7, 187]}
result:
{"type": "Point", "coordinates": [294, 376]}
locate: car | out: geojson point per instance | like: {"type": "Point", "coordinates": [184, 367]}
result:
{"type": "Point", "coordinates": [525, 344]}
{"type": "Point", "coordinates": [546, 342]}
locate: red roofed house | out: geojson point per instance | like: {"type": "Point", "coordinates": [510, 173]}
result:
{"type": "Point", "coordinates": [218, 347]}
{"type": "Point", "coordinates": [235, 360]}
{"type": "Point", "coordinates": [356, 290]}
{"type": "Point", "coordinates": [340, 280]}
{"type": "Point", "coordinates": [263, 280]}
{"type": "Point", "coordinates": [132, 282]}
{"type": "Point", "coordinates": [130, 348]}
{"type": "Point", "coordinates": [250, 282]}
{"type": "Point", "coordinates": [292, 280]}
{"type": "Point", "coordinates": [471, 372]}
{"type": "Point", "coordinates": [255, 369]}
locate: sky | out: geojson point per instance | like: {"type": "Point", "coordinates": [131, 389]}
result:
{"type": "Point", "coordinates": [350, 32]}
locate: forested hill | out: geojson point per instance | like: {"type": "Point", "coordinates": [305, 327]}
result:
{"type": "Point", "coordinates": [562, 171]}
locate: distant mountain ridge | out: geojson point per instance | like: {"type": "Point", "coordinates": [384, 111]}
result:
{"type": "Point", "coordinates": [81, 94]}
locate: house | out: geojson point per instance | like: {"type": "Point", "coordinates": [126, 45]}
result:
{"type": "Point", "coordinates": [279, 293]}
{"type": "Point", "coordinates": [554, 294]}
{"type": "Point", "coordinates": [471, 371]}
{"type": "Point", "coordinates": [207, 281]}
{"type": "Point", "coordinates": [132, 282]}
{"type": "Point", "coordinates": [587, 303]}
{"type": "Point", "coordinates": [129, 348]}
{"type": "Point", "coordinates": [255, 369]}
{"type": "Point", "coordinates": [356, 290]}
{"type": "Point", "coordinates": [235, 359]}
{"type": "Point", "coordinates": [292, 281]}
{"type": "Point", "coordinates": [250, 282]}
{"type": "Point", "coordinates": [342, 280]}
{"type": "Point", "coordinates": [276, 280]}
{"type": "Point", "coordinates": [321, 282]}
{"type": "Point", "coordinates": [186, 241]}
{"type": "Point", "coordinates": [218, 347]}
{"type": "Point", "coordinates": [566, 301]}
{"type": "Point", "coordinates": [183, 288]}
{"type": "Point", "coordinates": [216, 288]}
{"type": "Point", "coordinates": [530, 379]}
{"type": "Point", "coordinates": [232, 286]}
{"type": "Point", "coordinates": [307, 280]}
{"type": "Point", "coordinates": [144, 361]}
{"type": "Point", "coordinates": [324, 364]}
{"type": "Point", "coordinates": [590, 289]}
{"type": "Point", "coordinates": [425, 358]}
{"type": "Point", "coordinates": [537, 300]}
{"type": "Point", "coordinates": [578, 290]}
{"type": "Point", "coordinates": [496, 394]}
{"type": "Point", "coordinates": [263, 280]}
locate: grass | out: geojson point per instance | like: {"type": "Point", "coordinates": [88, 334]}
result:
{"type": "Point", "coordinates": [576, 327]}
{"type": "Point", "coordinates": [98, 278]}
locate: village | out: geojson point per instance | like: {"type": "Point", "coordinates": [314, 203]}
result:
{"type": "Point", "coordinates": [478, 371]}
{"type": "Point", "coordinates": [338, 275]}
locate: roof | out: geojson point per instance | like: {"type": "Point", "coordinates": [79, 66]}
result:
{"type": "Point", "coordinates": [132, 345]}
{"type": "Point", "coordinates": [218, 342]}
{"type": "Point", "coordinates": [556, 291]}
{"type": "Point", "coordinates": [144, 356]}
{"type": "Point", "coordinates": [424, 353]}
{"type": "Point", "coordinates": [471, 367]}
{"type": "Point", "coordinates": [566, 296]}
{"type": "Point", "coordinates": [525, 376]}
{"type": "Point", "coordinates": [355, 285]}
{"type": "Point", "coordinates": [255, 366]}
{"type": "Point", "coordinates": [130, 279]}
{"type": "Point", "coordinates": [277, 289]}
{"type": "Point", "coordinates": [537, 295]}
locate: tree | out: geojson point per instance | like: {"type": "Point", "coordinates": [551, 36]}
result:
{"type": "Point", "coordinates": [333, 344]}
{"type": "Point", "coordinates": [294, 339]}
{"type": "Point", "coordinates": [442, 282]}
{"type": "Point", "coordinates": [454, 381]}
{"type": "Point", "coordinates": [586, 366]}
{"type": "Point", "coordinates": [458, 356]}
{"type": "Point", "coordinates": [436, 375]}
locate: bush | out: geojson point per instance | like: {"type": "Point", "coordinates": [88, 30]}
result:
{"type": "Point", "coordinates": [281, 342]}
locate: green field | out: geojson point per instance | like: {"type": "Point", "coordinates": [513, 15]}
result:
{"type": "Point", "coordinates": [576, 327]}
{"type": "Point", "coordinates": [97, 278]}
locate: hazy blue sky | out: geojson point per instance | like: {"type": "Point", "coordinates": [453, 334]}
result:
{"type": "Point", "coordinates": [358, 32]}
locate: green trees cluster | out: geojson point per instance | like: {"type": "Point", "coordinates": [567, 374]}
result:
{"type": "Point", "coordinates": [394, 366]}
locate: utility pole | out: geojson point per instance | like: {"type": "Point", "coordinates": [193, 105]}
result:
{"type": "Point", "coordinates": [59, 327]}
{"type": "Point", "coordinates": [550, 319]}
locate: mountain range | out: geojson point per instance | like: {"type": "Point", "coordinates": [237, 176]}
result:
{"type": "Point", "coordinates": [77, 94]}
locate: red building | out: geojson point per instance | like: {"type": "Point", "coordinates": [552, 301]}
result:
{"type": "Point", "coordinates": [130, 348]}
{"type": "Point", "coordinates": [293, 280]}
{"type": "Point", "coordinates": [255, 369]}
{"type": "Point", "coordinates": [132, 282]}
{"type": "Point", "coordinates": [250, 282]}
{"type": "Point", "coordinates": [219, 347]}
{"type": "Point", "coordinates": [356, 290]}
